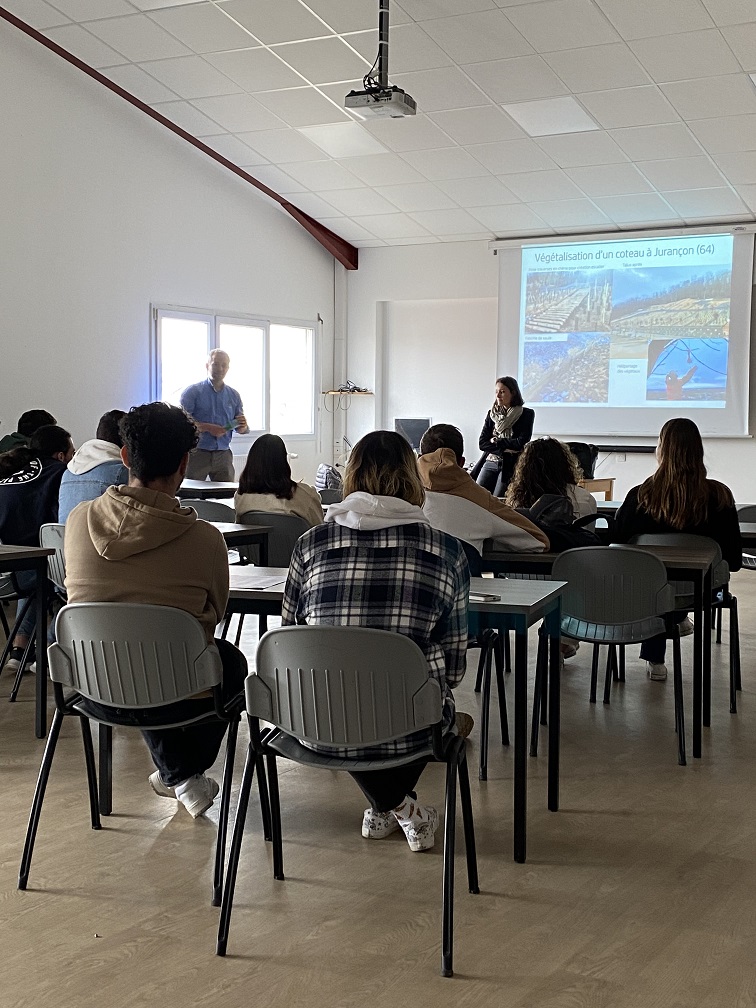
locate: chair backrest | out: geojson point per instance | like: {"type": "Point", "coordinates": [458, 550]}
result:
{"type": "Point", "coordinates": [285, 530]}
{"type": "Point", "coordinates": [342, 686]}
{"type": "Point", "coordinates": [128, 655]}
{"type": "Point", "coordinates": [211, 510]}
{"type": "Point", "coordinates": [747, 513]}
{"type": "Point", "coordinates": [586, 454]}
{"type": "Point", "coordinates": [612, 584]}
{"type": "Point", "coordinates": [720, 570]}
{"type": "Point", "coordinates": [331, 495]}
{"type": "Point", "coordinates": [474, 559]}
{"type": "Point", "coordinates": [51, 537]}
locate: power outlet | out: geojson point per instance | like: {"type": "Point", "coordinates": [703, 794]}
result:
{"type": "Point", "coordinates": [620, 457]}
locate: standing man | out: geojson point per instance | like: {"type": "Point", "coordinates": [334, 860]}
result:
{"type": "Point", "coordinates": [217, 411]}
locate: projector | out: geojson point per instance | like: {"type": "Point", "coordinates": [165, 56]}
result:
{"type": "Point", "coordinates": [381, 103]}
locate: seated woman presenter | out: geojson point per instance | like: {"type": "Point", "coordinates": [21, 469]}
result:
{"type": "Point", "coordinates": [266, 484]}
{"type": "Point", "coordinates": [506, 430]}
{"type": "Point", "coordinates": [547, 466]}
{"type": "Point", "coordinates": [376, 562]}
{"type": "Point", "coordinates": [679, 498]}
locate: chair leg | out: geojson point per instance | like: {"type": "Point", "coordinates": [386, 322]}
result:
{"type": "Point", "coordinates": [89, 759]}
{"type": "Point", "coordinates": [545, 686]}
{"type": "Point", "coordinates": [262, 787]}
{"type": "Point", "coordinates": [105, 747]}
{"type": "Point", "coordinates": [39, 797]}
{"type": "Point", "coordinates": [275, 816]}
{"type": "Point", "coordinates": [10, 634]}
{"type": "Point", "coordinates": [541, 659]}
{"type": "Point", "coordinates": [503, 719]}
{"type": "Point", "coordinates": [468, 824]}
{"type": "Point", "coordinates": [224, 922]}
{"type": "Point", "coordinates": [734, 655]}
{"type": "Point", "coordinates": [481, 663]}
{"type": "Point", "coordinates": [621, 675]}
{"type": "Point", "coordinates": [594, 672]}
{"type": "Point", "coordinates": [450, 822]}
{"type": "Point", "coordinates": [611, 660]}
{"type": "Point", "coordinates": [22, 666]}
{"type": "Point", "coordinates": [719, 624]}
{"type": "Point", "coordinates": [485, 703]}
{"type": "Point", "coordinates": [679, 701]}
{"type": "Point", "coordinates": [4, 622]}
{"type": "Point", "coordinates": [226, 624]}
{"type": "Point", "coordinates": [225, 803]}
{"type": "Point", "coordinates": [262, 625]}
{"type": "Point", "coordinates": [507, 652]}
{"type": "Point", "coordinates": [239, 628]}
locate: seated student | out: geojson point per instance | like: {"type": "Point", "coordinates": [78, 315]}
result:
{"type": "Point", "coordinates": [96, 465]}
{"type": "Point", "coordinates": [547, 466]}
{"type": "Point", "coordinates": [136, 543]}
{"type": "Point", "coordinates": [28, 423]}
{"type": "Point", "coordinates": [29, 481]}
{"type": "Point", "coordinates": [377, 562]}
{"type": "Point", "coordinates": [266, 484]}
{"type": "Point", "coordinates": [458, 505]}
{"type": "Point", "coordinates": [679, 498]}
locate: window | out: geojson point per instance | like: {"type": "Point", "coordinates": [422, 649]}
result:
{"type": "Point", "coordinates": [272, 365]}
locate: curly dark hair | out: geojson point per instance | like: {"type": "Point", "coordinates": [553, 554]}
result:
{"type": "Point", "coordinates": [545, 466]}
{"type": "Point", "coordinates": [157, 436]}
{"type": "Point", "coordinates": [267, 469]}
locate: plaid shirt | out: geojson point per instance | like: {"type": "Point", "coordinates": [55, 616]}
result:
{"type": "Point", "coordinates": [411, 579]}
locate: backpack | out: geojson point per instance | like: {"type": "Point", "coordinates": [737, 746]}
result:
{"type": "Point", "coordinates": [328, 478]}
{"type": "Point", "coordinates": [553, 515]}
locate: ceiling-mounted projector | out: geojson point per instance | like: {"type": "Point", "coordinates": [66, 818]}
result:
{"type": "Point", "coordinates": [380, 100]}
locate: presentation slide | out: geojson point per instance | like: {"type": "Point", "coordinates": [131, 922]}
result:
{"type": "Point", "coordinates": [631, 323]}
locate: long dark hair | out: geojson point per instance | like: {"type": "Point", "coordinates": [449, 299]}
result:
{"type": "Point", "coordinates": [545, 466]}
{"type": "Point", "coordinates": [267, 469]}
{"type": "Point", "coordinates": [678, 492]}
{"type": "Point", "coordinates": [45, 442]}
{"type": "Point", "coordinates": [511, 383]}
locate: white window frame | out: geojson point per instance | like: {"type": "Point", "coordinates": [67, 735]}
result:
{"type": "Point", "coordinates": [214, 319]}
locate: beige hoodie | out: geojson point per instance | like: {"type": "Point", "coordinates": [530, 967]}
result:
{"type": "Point", "coordinates": [139, 545]}
{"type": "Point", "coordinates": [440, 474]}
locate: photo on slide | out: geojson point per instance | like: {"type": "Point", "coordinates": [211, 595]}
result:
{"type": "Point", "coordinates": [688, 370]}
{"type": "Point", "coordinates": [568, 302]}
{"type": "Point", "coordinates": [571, 368]}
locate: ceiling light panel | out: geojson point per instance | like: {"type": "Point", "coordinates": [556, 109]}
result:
{"type": "Point", "coordinates": [551, 115]}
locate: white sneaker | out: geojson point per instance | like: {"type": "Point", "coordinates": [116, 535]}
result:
{"type": "Point", "coordinates": [157, 785]}
{"type": "Point", "coordinates": [656, 671]}
{"type": "Point", "coordinates": [686, 627]}
{"type": "Point", "coordinates": [419, 823]}
{"type": "Point", "coordinates": [197, 794]}
{"type": "Point", "coordinates": [377, 825]}
{"type": "Point", "coordinates": [569, 648]}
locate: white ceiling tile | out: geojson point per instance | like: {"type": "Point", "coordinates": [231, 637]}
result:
{"type": "Point", "coordinates": [748, 192]}
{"type": "Point", "coordinates": [485, 124]}
{"type": "Point", "coordinates": [511, 156]}
{"type": "Point", "coordinates": [190, 77]}
{"type": "Point", "coordinates": [597, 68]}
{"type": "Point", "coordinates": [446, 222]}
{"type": "Point", "coordinates": [435, 90]}
{"type": "Point", "coordinates": [410, 134]}
{"type": "Point", "coordinates": [138, 83]}
{"type": "Point", "coordinates": [705, 202]}
{"type": "Point", "coordinates": [476, 236]}
{"type": "Point", "coordinates": [473, 38]}
{"type": "Point", "coordinates": [549, 116]}
{"type": "Point", "coordinates": [231, 147]}
{"type": "Point", "coordinates": [645, 143]}
{"type": "Point", "coordinates": [739, 168]}
{"type": "Point", "coordinates": [646, 18]}
{"type": "Point", "coordinates": [382, 170]}
{"type": "Point", "coordinates": [709, 96]}
{"type": "Point", "coordinates": [302, 107]}
{"type": "Point", "coordinates": [609, 180]}
{"type": "Point", "coordinates": [477, 192]}
{"type": "Point", "coordinates": [420, 240]}
{"type": "Point", "coordinates": [283, 146]}
{"type": "Point", "coordinates": [238, 113]}
{"type": "Point", "coordinates": [323, 176]}
{"type": "Point", "coordinates": [275, 20]}
{"type": "Point", "coordinates": [277, 180]}
{"type": "Point", "coordinates": [518, 79]}
{"type": "Point", "coordinates": [742, 41]}
{"type": "Point", "coordinates": [543, 185]}
{"type": "Point", "coordinates": [313, 205]}
{"type": "Point", "coordinates": [343, 140]}
{"type": "Point", "coordinates": [575, 149]}
{"type": "Point", "coordinates": [672, 57]}
{"type": "Point", "coordinates": [138, 38]}
{"type": "Point", "coordinates": [346, 228]}
{"type": "Point", "coordinates": [411, 49]}
{"type": "Point", "coordinates": [646, 207]}
{"type": "Point", "coordinates": [356, 202]}
{"type": "Point", "coordinates": [149, 5]}
{"type": "Point", "coordinates": [730, 12]}
{"type": "Point", "coordinates": [681, 173]}
{"type": "Point", "coordinates": [417, 196]}
{"type": "Point", "coordinates": [323, 60]}
{"type": "Point", "coordinates": [392, 225]}
{"type": "Point", "coordinates": [421, 10]}
{"type": "Point", "coordinates": [255, 69]}
{"type": "Point", "coordinates": [36, 13]}
{"type": "Point", "coordinates": [514, 218]}
{"type": "Point", "coordinates": [726, 134]}
{"type": "Point", "coordinates": [203, 27]}
{"type": "Point", "coordinates": [85, 10]}
{"type": "Point", "coordinates": [448, 163]}
{"type": "Point", "coordinates": [79, 42]}
{"type": "Point", "coordinates": [354, 16]}
{"type": "Point", "coordinates": [187, 117]}
{"type": "Point", "coordinates": [570, 213]}
{"type": "Point", "coordinates": [635, 106]}
{"type": "Point", "coordinates": [562, 24]}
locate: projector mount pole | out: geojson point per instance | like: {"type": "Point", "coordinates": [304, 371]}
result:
{"type": "Point", "coordinates": [383, 43]}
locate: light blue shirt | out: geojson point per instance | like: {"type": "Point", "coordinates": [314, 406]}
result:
{"type": "Point", "coordinates": [206, 405]}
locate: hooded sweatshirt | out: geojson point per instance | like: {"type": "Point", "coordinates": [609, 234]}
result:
{"type": "Point", "coordinates": [133, 544]}
{"type": "Point", "coordinates": [94, 467]}
{"type": "Point", "coordinates": [456, 504]}
{"type": "Point", "coordinates": [369, 512]}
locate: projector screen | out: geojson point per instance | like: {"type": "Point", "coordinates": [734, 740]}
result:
{"type": "Point", "coordinates": [613, 337]}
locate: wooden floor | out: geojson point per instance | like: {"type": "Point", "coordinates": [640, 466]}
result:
{"type": "Point", "coordinates": [640, 891]}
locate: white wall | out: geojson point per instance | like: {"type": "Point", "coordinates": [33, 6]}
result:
{"type": "Point", "coordinates": [105, 211]}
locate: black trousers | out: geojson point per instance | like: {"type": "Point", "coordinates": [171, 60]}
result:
{"type": "Point", "coordinates": [655, 648]}
{"type": "Point", "coordinates": [495, 478]}
{"type": "Point", "coordinates": [385, 789]}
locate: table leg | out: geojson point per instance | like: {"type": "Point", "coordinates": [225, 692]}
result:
{"type": "Point", "coordinates": [553, 625]}
{"type": "Point", "coordinates": [697, 662]}
{"type": "Point", "coordinates": [706, 605]}
{"type": "Point", "coordinates": [520, 741]}
{"type": "Point", "coordinates": [105, 747]}
{"type": "Point", "coordinates": [263, 542]}
{"type": "Point", "coordinates": [43, 586]}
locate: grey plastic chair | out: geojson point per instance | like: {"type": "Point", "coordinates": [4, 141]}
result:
{"type": "Point", "coordinates": [347, 686]}
{"type": "Point", "coordinates": [331, 496]}
{"type": "Point", "coordinates": [618, 595]}
{"type": "Point", "coordinates": [747, 513]}
{"type": "Point", "coordinates": [130, 657]}
{"type": "Point", "coordinates": [210, 510]}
